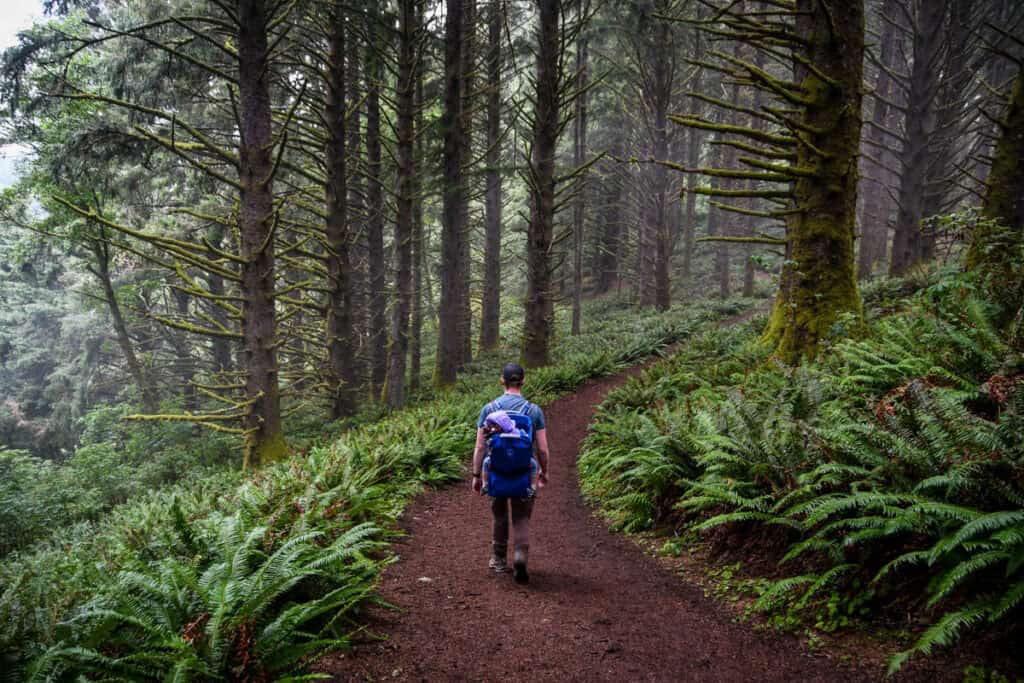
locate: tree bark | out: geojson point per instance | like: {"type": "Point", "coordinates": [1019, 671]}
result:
{"type": "Point", "coordinates": [340, 333]}
{"type": "Point", "coordinates": [537, 327]}
{"type": "Point", "coordinates": [819, 282]}
{"type": "Point", "coordinates": [1004, 195]}
{"type": "Point", "coordinates": [186, 366]}
{"type": "Point", "coordinates": [467, 70]}
{"type": "Point", "coordinates": [579, 154]}
{"type": "Point", "coordinates": [377, 299]}
{"type": "Point", "coordinates": [607, 258]}
{"type": "Point", "coordinates": [219, 346]}
{"type": "Point", "coordinates": [418, 258]}
{"type": "Point", "coordinates": [490, 317]}
{"type": "Point", "coordinates": [264, 440]}
{"type": "Point", "coordinates": [356, 206]}
{"type": "Point", "coordinates": [452, 199]}
{"type": "Point", "coordinates": [661, 98]}
{"type": "Point", "coordinates": [147, 393]}
{"type": "Point", "coordinates": [394, 392]}
{"type": "Point", "coordinates": [877, 205]}
{"type": "Point", "coordinates": [919, 124]}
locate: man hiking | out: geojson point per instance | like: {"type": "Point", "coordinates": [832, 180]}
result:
{"type": "Point", "coordinates": [509, 450]}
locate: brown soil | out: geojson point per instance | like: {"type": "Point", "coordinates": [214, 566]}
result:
{"type": "Point", "coordinates": [597, 608]}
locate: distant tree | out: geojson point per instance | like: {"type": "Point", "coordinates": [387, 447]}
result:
{"type": "Point", "coordinates": [408, 44]}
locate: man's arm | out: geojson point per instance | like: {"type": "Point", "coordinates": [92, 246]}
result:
{"type": "Point", "coordinates": [541, 438]}
{"type": "Point", "coordinates": [478, 459]}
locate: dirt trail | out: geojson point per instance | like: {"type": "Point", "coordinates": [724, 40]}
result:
{"type": "Point", "coordinates": [596, 608]}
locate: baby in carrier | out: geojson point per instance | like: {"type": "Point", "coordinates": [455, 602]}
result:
{"type": "Point", "coordinates": [499, 422]}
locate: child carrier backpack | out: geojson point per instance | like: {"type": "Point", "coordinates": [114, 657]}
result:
{"type": "Point", "coordinates": [510, 453]}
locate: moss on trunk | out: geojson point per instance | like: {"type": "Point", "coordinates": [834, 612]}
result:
{"type": "Point", "coordinates": [819, 282]}
{"type": "Point", "coordinates": [1004, 197]}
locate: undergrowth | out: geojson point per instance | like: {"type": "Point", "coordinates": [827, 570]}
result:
{"type": "Point", "coordinates": [890, 471]}
{"type": "Point", "coordinates": [248, 578]}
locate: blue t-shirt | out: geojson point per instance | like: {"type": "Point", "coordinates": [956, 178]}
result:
{"type": "Point", "coordinates": [513, 403]}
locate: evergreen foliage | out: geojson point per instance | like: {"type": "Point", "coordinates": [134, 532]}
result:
{"type": "Point", "coordinates": [890, 467]}
{"type": "Point", "coordinates": [227, 576]}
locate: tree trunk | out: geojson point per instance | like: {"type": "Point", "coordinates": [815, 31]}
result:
{"type": "Point", "coordinates": [690, 216]}
{"type": "Point", "coordinates": [1004, 195]}
{"type": "Point", "coordinates": [356, 208]}
{"type": "Point", "coordinates": [467, 70]}
{"type": "Point", "coordinates": [695, 141]}
{"type": "Point", "coordinates": [715, 218]}
{"type": "Point", "coordinates": [490, 317]}
{"type": "Point", "coordinates": [607, 259]}
{"type": "Point", "coordinates": [877, 205]}
{"type": "Point", "coordinates": [418, 258]}
{"type": "Point", "coordinates": [579, 154]}
{"type": "Point", "coordinates": [408, 32]}
{"type": "Point", "coordinates": [184, 362]}
{"type": "Point", "coordinates": [340, 333]}
{"type": "Point", "coordinates": [220, 347]}
{"type": "Point", "coordinates": [919, 124]}
{"type": "Point", "coordinates": [537, 327]}
{"type": "Point", "coordinates": [377, 299]}
{"type": "Point", "coordinates": [756, 123]}
{"type": "Point", "coordinates": [147, 393]}
{"type": "Point", "coordinates": [264, 436]}
{"type": "Point", "coordinates": [452, 199]}
{"type": "Point", "coordinates": [661, 99]}
{"type": "Point", "coordinates": [819, 282]}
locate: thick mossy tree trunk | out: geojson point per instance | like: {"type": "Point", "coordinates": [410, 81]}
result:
{"type": "Point", "coordinates": [394, 392]}
{"type": "Point", "coordinates": [448, 343]}
{"type": "Point", "coordinates": [264, 438]}
{"type": "Point", "coordinates": [490, 316]}
{"type": "Point", "coordinates": [1004, 194]}
{"type": "Point", "coordinates": [341, 370]}
{"type": "Point", "coordinates": [819, 282]}
{"type": "Point", "coordinates": [538, 324]}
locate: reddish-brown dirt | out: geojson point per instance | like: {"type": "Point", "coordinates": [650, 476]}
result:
{"type": "Point", "coordinates": [596, 608]}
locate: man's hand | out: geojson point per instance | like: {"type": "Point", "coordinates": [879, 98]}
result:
{"type": "Point", "coordinates": [542, 480]}
{"type": "Point", "coordinates": [478, 485]}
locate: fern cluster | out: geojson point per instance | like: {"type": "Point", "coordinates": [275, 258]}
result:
{"type": "Point", "coordinates": [893, 466]}
{"type": "Point", "coordinates": [234, 577]}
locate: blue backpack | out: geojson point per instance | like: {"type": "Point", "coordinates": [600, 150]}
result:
{"type": "Point", "coordinates": [509, 469]}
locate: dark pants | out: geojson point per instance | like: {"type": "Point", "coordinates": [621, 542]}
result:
{"type": "Point", "coordinates": [519, 509]}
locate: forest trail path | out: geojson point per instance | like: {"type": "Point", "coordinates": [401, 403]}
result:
{"type": "Point", "coordinates": [596, 608]}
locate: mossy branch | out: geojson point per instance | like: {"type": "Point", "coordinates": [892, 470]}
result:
{"type": "Point", "coordinates": [196, 329]}
{"type": "Point", "coordinates": [755, 194]}
{"type": "Point", "coordinates": [761, 136]}
{"type": "Point", "coordinates": [746, 240]}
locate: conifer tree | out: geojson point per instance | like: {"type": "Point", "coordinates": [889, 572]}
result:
{"type": "Point", "coordinates": [807, 156]}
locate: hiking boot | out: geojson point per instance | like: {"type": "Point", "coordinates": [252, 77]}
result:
{"type": "Point", "coordinates": [498, 563]}
{"type": "Point", "coordinates": [519, 572]}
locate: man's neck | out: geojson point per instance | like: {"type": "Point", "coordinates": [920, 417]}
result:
{"type": "Point", "coordinates": [515, 391]}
